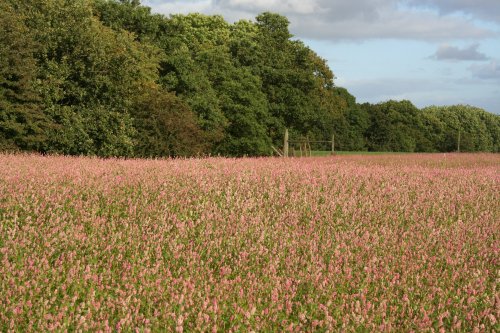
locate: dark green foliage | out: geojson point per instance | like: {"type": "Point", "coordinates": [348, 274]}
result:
{"type": "Point", "coordinates": [348, 120]}
{"type": "Point", "coordinates": [130, 16]}
{"type": "Point", "coordinates": [295, 80]}
{"type": "Point", "coordinates": [400, 126]}
{"type": "Point", "coordinates": [88, 76]}
{"type": "Point", "coordinates": [394, 126]}
{"type": "Point", "coordinates": [188, 42]}
{"type": "Point", "coordinates": [470, 128]}
{"type": "Point", "coordinates": [91, 131]}
{"type": "Point", "coordinates": [245, 107]}
{"type": "Point", "coordinates": [166, 127]}
{"type": "Point", "coordinates": [110, 78]}
{"type": "Point", "coordinates": [22, 122]}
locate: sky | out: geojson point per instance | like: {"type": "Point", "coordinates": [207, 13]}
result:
{"type": "Point", "coordinates": [431, 52]}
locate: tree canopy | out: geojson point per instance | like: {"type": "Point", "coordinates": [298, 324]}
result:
{"type": "Point", "coordinates": [111, 78]}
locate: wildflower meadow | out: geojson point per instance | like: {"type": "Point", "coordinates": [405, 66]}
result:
{"type": "Point", "coordinates": [390, 243]}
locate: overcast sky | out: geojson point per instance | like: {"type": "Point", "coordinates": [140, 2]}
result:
{"type": "Point", "coordinates": [432, 52]}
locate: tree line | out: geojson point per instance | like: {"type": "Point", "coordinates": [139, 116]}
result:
{"type": "Point", "coordinates": [111, 78]}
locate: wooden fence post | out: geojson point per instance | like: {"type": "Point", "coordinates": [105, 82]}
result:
{"type": "Point", "coordinates": [333, 144]}
{"type": "Point", "coordinates": [285, 144]}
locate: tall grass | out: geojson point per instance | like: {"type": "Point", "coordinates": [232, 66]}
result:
{"type": "Point", "coordinates": [352, 243]}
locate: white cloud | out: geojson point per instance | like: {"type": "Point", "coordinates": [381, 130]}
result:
{"type": "Point", "coordinates": [289, 6]}
{"type": "Point", "coordinates": [345, 20]}
{"type": "Point", "coordinates": [481, 9]}
{"type": "Point", "coordinates": [180, 7]}
{"type": "Point", "coordinates": [490, 71]}
{"type": "Point", "coordinates": [389, 24]}
{"type": "Point", "coordinates": [448, 52]}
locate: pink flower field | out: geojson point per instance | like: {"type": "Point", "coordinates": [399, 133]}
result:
{"type": "Point", "coordinates": [399, 243]}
